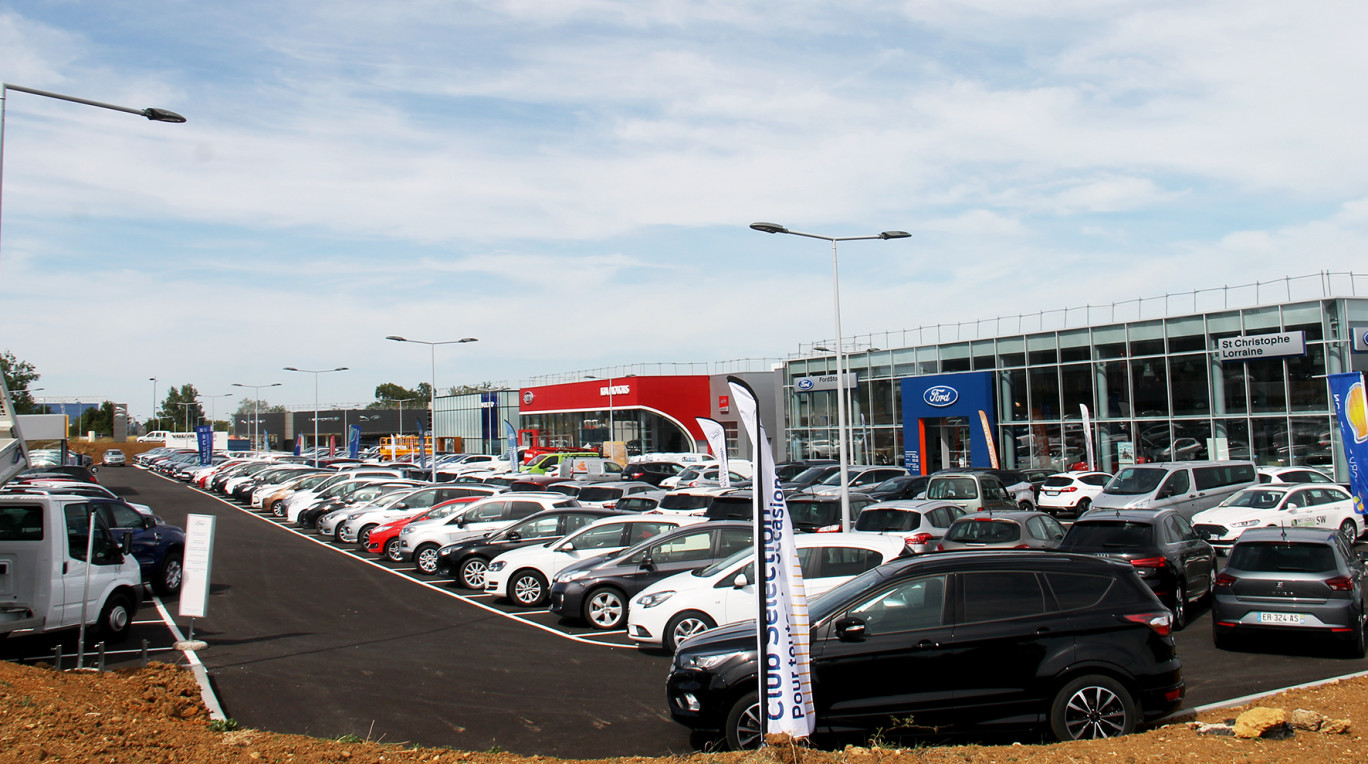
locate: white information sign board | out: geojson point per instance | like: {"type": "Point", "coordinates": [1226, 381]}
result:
{"type": "Point", "coordinates": [199, 553]}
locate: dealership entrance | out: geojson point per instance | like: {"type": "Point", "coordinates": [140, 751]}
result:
{"type": "Point", "coordinates": [942, 427]}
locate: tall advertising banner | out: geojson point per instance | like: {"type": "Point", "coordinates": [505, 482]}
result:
{"type": "Point", "coordinates": [1088, 437]}
{"type": "Point", "coordinates": [988, 436]}
{"type": "Point", "coordinates": [299, 444]}
{"type": "Point", "coordinates": [717, 441]}
{"type": "Point", "coordinates": [1351, 409]}
{"type": "Point", "coordinates": [782, 631]}
{"type": "Point", "coordinates": [204, 442]}
{"type": "Point", "coordinates": [332, 445]}
{"type": "Point", "coordinates": [513, 447]}
{"type": "Point", "coordinates": [353, 441]}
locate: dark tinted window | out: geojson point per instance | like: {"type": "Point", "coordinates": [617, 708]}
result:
{"type": "Point", "coordinates": [1057, 482]}
{"type": "Point", "coordinates": [1073, 591]}
{"type": "Point", "coordinates": [1103, 534]}
{"type": "Point", "coordinates": [1229, 474]}
{"type": "Point", "coordinates": [818, 513]}
{"type": "Point", "coordinates": [636, 504]}
{"type": "Point", "coordinates": [953, 488]}
{"type": "Point", "coordinates": [21, 522]}
{"type": "Point", "coordinates": [915, 604]}
{"type": "Point", "coordinates": [999, 595]}
{"type": "Point", "coordinates": [823, 562]}
{"type": "Point", "coordinates": [595, 493]}
{"type": "Point", "coordinates": [1177, 484]}
{"type": "Point", "coordinates": [1095, 479]}
{"type": "Point", "coordinates": [731, 508]}
{"type": "Point", "coordinates": [732, 540]}
{"type": "Point", "coordinates": [1279, 557]}
{"type": "Point", "coordinates": [1135, 481]}
{"type": "Point", "coordinates": [984, 531]}
{"type": "Point", "coordinates": [684, 501]}
{"type": "Point", "coordinates": [878, 520]}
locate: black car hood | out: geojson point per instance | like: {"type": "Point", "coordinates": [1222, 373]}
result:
{"type": "Point", "coordinates": [735, 637]}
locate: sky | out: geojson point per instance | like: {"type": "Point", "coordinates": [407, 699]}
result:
{"type": "Point", "coordinates": [572, 182]}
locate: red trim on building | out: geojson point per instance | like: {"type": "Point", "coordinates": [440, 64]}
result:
{"type": "Point", "coordinates": [681, 397]}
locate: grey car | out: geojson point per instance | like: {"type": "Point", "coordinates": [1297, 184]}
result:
{"type": "Point", "coordinates": [1002, 530]}
{"type": "Point", "coordinates": [1291, 581]}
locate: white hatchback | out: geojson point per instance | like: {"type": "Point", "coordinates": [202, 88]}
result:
{"type": "Point", "coordinates": [688, 603]}
{"type": "Point", "coordinates": [1275, 504]}
{"type": "Point", "coordinates": [1071, 492]}
{"type": "Point", "coordinates": [523, 576]}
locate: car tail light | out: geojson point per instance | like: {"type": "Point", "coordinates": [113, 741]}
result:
{"type": "Point", "coordinates": [1022, 546]}
{"type": "Point", "coordinates": [829, 529]}
{"type": "Point", "coordinates": [1160, 623]}
{"type": "Point", "coordinates": [917, 538]}
{"type": "Point", "coordinates": [1224, 579]}
{"type": "Point", "coordinates": [1066, 489]}
{"type": "Point", "coordinates": [1340, 584]}
{"type": "Point", "coordinates": [1148, 562]}
{"type": "Point", "coordinates": [610, 505]}
{"type": "Point", "coordinates": [940, 547]}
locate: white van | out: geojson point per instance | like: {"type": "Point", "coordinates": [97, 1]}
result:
{"type": "Point", "coordinates": [1186, 487]}
{"type": "Point", "coordinates": [155, 435]}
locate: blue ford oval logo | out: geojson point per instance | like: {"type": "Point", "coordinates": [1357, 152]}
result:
{"type": "Point", "coordinates": [940, 395]}
{"type": "Point", "coordinates": [805, 383]}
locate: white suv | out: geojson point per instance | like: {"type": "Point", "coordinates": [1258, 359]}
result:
{"type": "Point", "coordinates": [1071, 491]}
{"type": "Point", "coordinates": [422, 541]}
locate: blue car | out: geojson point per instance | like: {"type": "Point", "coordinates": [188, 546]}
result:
{"type": "Point", "coordinates": [159, 548]}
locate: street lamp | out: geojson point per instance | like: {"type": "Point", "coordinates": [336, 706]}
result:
{"type": "Point", "coordinates": [315, 372]}
{"type": "Point", "coordinates": [841, 416]}
{"type": "Point", "coordinates": [156, 115]}
{"type": "Point", "coordinates": [212, 413]}
{"type": "Point", "coordinates": [153, 416]}
{"type": "Point", "coordinates": [432, 422]}
{"type": "Point", "coordinates": [256, 410]}
{"type": "Point", "coordinates": [186, 407]}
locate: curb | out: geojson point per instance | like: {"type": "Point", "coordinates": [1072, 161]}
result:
{"type": "Point", "coordinates": [1187, 714]}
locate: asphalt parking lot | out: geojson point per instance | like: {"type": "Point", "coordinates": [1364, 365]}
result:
{"type": "Point", "coordinates": [306, 636]}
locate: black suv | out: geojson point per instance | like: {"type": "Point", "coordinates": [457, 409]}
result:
{"type": "Point", "coordinates": [956, 642]}
{"type": "Point", "coordinates": [651, 472]}
{"type": "Point", "coordinates": [1167, 553]}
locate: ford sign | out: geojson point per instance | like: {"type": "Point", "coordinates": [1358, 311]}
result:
{"type": "Point", "coordinates": [940, 396]}
{"type": "Point", "coordinates": [805, 384]}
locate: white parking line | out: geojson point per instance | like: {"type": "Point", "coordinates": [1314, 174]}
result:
{"type": "Point", "coordinates": [470, 600]}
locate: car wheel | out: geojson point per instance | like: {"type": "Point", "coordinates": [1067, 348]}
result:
{"type": "Point", "coordinates": [393, 551]}
{"type": "Point", "coordinates": [1358, 640]}
{"type": "Point", "coordinates": [743, 728]}
{"type": "Point", "coordinates": [278, 509]}
{"type": "Point", "coordinates": [471, 574]}
{"type": "Point", "coordinates": [425, 558]}
{"type": "Point", "coordinates": [1349, 530]}
{"type": "Point", "coordinates": [1025, 505]}
{"type": "Point", "coordinates": [169, 575]}
{"type": "Point", "coordinates": [1092, 707]}
{"type": "Point", "coordinates": [527, 588]}
{"type": "Point", "coordinates": [116, 619]}
{"type": "Point", "coordinates": [684, 625]}
{"type": "Point", "coordinates": [1082, 506]}
{"type": "Point", "coordinates": [363, 535]}
{"type": "Point", "coordinates": [1179, 606]}
{"type": "Point", "coordinates": [605, 608]}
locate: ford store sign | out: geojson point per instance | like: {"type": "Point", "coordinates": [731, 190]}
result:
{"type": "Point", "coordinates": [940, 396]}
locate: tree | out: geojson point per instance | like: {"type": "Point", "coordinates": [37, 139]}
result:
{"type": "Point", "coordinates": [99, 419]}
{"type": "Point", "coordinates": [18, 376]}
{"type": "Point", "coordinates": [248, 406]}
{"type": "Point", "coordinates": [181, 408]}
{"type": "Point", "coordinates": [483, 387]}
{"type": "Point", "coordinates": [389, 394]}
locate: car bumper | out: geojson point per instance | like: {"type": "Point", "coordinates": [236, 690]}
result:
{"type": "Point", "coordinates": [700, 701]}
{"type": "Point", "coordinates": [567, 599]}
{"type": "Point", "coordinates": [1230, 615]}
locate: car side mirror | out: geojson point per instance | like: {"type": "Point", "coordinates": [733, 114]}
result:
{"type": "Point", "coordinates": [742, 580]}
{"type": "Point", "coordinates": [850, 629]}
{"type": "Point", "coordinates": [148, 523]}
{"type": "Point", "coordinates": [647, 563]}
{"type": "Point", "coordinates": [514, 536]}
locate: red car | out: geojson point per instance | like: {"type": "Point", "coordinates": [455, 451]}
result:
{"type": "Point", "coordinates": [385, 536]}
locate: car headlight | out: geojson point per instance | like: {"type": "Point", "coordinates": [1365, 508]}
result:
{"type": "Point", "coordinates": [496, 566]}
{"type": "Point", "coordinates": [406, 531]}
{"type": "Point", "coordinates": [702, 661]}
{"type": "Point", "coordinates": [651, 600]}
{"type": "Point", "coordinates": [1244, 524]}
{"type": "Point", "coordinates": [573, 575]}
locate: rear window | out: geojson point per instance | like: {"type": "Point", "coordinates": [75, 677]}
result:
{"type": "Point", "coordinates": [1057, 482]}
{"type": "Point", "coordinates": [981, 531]}
{"type": "Point", "coordinates": [953, 488]}
{"type": "Point", "coordinates": [877, 520]}
{"type": "Point", "coordinates": [818, 513]}
{"type": "Point", "coordinates": [730, 508]}
{"type": "Point", "coordinates": [685, 501]}
{"type": "Point", "coordinates": [1108, 534]}
{"type": "Point", "coordinates": [599, 494]}
{"type": "Point", "coordinates": [21, 522]}
{"type": "Point", "coordinates": [1280, 557]}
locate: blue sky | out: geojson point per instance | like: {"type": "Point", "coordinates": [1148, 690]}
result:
{"type": "Point", "coordinates": [571, 182]}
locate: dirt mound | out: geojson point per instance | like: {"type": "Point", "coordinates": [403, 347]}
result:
{"type": "Point", "coordinates": [155, 715]}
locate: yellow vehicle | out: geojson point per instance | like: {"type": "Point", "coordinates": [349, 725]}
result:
{"type": "Point", "coordinates": [405, 447]}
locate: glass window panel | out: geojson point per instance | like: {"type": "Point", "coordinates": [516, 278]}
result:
{"type": "Point", "coordinates": [1011, 352]}
{"type": "Point", "coordinates": [1113, 380]}
{"type": "Point", "coordinates": [1044, 392]}
{"type": "Point", "coordinates": [927, 361]}
{"type": "Point", "coordinates": [1149, 391]}
{"type": "Point", "coordinates": [1012, 393]}
{"type": "Point", "coordinates": [955, 357]}
{"type": "Point", "coordinates": [904, 362]}
{"type": "Point", "coordinates": [881, 364]}
{"type": "Point", "coordinates": [1115, 446]}
{"type": "Point", "coordinates": [1187, 334]}
{"type": "Point", "coordinates": [1269, 441]}
{"type": "Point", "coordinates": [1076, 387]}
{"type": "Point", "coordinates": [1230, 439]}
{"type": "Point", "coordinates": [1223, 325]}
{"type": "Point", "coordinates": [1304, 318]}
{"type": "Point", "coordinates": [1014, 443]}
{"type": "Point", "coordinates": [1311, 443]}
{"type": "Point", "coordinates": [1110, 341]}
{"type": "Point", "coordinates": [1262, 320]}
{"type": "Point", "coordinates": [1146, 338]}
{"type": "Point", "coordinates": [1305, 380]}
{"type": "Point", "coordinates": [1152, 440]}
{"type": "Point", "coordinates": [1075, 346]}
{"type": "Point", "coordinates": [1047, 447]}
{"type": "Point", "coordinates": [1232, 397]}
{"type": "Point", "coordinates": [881, 408]}
{"type": "Point", "coordinates": [1189, 441]}
{"type": "Point", "coordinates": [983, 356]}
{"type": "Point", "coordinates": [1267, 385]}
{"type": "Point", "coordinates": [1041, 349]}
{"type": "Point", "coordinates": [1188, 381]}
{"type": "Point", "coordinates": [887, 445]}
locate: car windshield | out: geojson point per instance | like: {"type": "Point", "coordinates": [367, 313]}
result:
{"type": "Point", "coordinates": [983, 531]}
{"type": "Point", "coordinates": [876, 520]}
{"type": "Point", "coordinates": [1110, 534]}
{"type": "Point", "coordinates": [814, 474]}
{"type": "Point", "coordinates": [595, 493]}
{"type": "Point", "coordinates": [1133, 481]}
{"type": "Point", "coordinates": [722, 565]}
{"type": "Point", "coordinates": [1255, 498]}
{"type": "Point", "coordinates": [1279, 557]}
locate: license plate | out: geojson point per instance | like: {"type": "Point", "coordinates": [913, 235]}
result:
{"type": "Point", "coordinates": [1294, 619]}
{"type": "Point", "coordinates": [1052, 493]}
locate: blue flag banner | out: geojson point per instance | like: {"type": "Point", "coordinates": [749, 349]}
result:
{"type": "Point", "coordinates": [513, 459]}
{"type": "Point", "coordinates": [299, 445]}
{"type": "Point", "coordinates": [204, 441]}
{"type": "Point", "coordinates": [354, 441]}
{"type": "Point", "coordinates": [1351, 409]}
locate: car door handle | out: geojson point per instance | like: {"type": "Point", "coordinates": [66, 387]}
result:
{"type": "Point", "coordinates": [927, 644]}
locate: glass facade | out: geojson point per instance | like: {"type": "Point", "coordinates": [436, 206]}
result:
{"type": "Point", "coordinates": [1155, 389]}
{"type": "Point", "coordinates": [477, 419]}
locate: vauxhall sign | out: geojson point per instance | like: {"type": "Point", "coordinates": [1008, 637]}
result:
{"type": "Point", "coordinates": [823, 382]}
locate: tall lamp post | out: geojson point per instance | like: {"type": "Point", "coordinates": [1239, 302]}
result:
{"type": "Point", "coordinates": [433, 390]}
{"type": "Point", "coordinates": [153, 416]}
{"type": "Point", "coordinates": [842, 444]}
{"type": "Point", "coordinates": [213, 408]}
{"type": "Point", "coordinates": [315, 372]}
{"type": "Point", "coordinates": [256, 409]}
{"type": "Point", "coordinates": [185, 407]}
{"type": "Point", "coordinates": [156, 115]}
